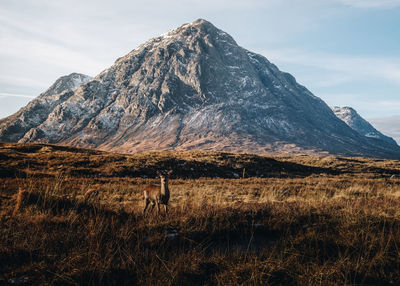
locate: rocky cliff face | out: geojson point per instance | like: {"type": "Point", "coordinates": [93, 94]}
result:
{"type": "Point", "coordinates": [359, 124]}
{"type": "Point", "coordinates": [195, 88]}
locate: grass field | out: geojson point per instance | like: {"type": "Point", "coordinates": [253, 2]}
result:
{"type": "Point", "coordinates": [235, 219]}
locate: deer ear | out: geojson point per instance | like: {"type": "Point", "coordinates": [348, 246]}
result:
{"type": "Point", "coordinates": [169, 172]}
{"type": "Point", "coordinates": [159, 173]}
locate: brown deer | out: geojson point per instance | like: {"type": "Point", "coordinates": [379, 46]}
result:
{"type": "Point", "coordinates": [157, 195]}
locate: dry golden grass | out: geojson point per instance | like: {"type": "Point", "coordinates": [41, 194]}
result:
{"type": "Point", "coordinates": [306, 221]}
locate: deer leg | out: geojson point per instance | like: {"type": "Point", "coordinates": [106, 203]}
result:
{"type": "Point", "coordinates": [145, 207]}
{"type": "Point", "coordinates": [166, 209]}
{"type": "Point", "coordinates": [152, 206]}
{"type": "Point", "coordinates": [158, 207]}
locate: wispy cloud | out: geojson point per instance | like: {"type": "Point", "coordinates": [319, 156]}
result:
{"type": "Point", "coordinates": [367, 108]}
{"type": "Point", "coordinates": [340, 68]}
{"type": "Point", "coordinates": [371, 3]}
{"type": "Point", "coordinates": [50, 51]}
{"type": "Point", "coordinates": [367, 84]}
{"type": "Point", "coordinates": [392, 104]}
{"type": "Point", "coordinates": [4, 94]}
{"type": "Point", "coordinates": [388, 125]}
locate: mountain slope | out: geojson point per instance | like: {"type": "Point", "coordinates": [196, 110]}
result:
{"type": "Point", "coordinates": [15, 127]}
{"type": "Point", "coordinates": [195, 88]}
{"type": "Point", "coordinates": [359, 124]}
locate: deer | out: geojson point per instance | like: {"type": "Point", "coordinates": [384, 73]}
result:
{"type": "Point", "coordinates": [157, 195]}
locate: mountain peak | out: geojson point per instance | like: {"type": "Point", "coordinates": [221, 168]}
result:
{"type": "Point", "coordinates": [68, 82]}
{"type": "Point", "coordinates": [202, 24]}
{"type": "Point", "coordinates": [201, 21]}
{"type": "Point", "coordinates": [16, 126]}
{"type": "Point", "coordinates": [200, 29]}
{"type": "Point", "coordinates": [351, 117]}
{"type": "Point", "coordinates": [344, 109]}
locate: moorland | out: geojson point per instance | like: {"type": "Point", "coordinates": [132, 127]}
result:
{"type": "Point", "coordinates": [234, 219]}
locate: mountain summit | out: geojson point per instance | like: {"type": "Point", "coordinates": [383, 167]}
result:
{"type": "Point", "coordinates": [195, 88]}
{"type": "Point", "coordinates": [16, 126]}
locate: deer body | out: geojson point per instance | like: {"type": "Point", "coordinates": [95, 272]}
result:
{"type": "Point", "coordinates": [157, 195]}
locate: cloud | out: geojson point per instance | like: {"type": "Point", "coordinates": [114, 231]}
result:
{"type": "Point", "coordinates": [388, 125]}
{"type": "Point", "coordinates": [339, 68]}
{"type": "Point", "coordinates": [24, 42]}
{"type": "Point", "coordinates": [366, 108]}
{"type": "Point", "coordinates": [12, 80]}
{"type": "Point", "coordinates": [4, 94]}
{"type": "Point", "coordinates": [389, 104]}
{"type": "Point", "coordinates": [383, 4]}
{"type": "Point", "coordinates": [368, 84]}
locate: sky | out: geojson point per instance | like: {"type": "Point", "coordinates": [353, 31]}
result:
{"type": "Point", "coordinates": [346, 52]}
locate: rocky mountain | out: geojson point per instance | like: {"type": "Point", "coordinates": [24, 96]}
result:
{"type": "Point", "coordinates": [359, 124]}
{"type": "Point", "coordinates": [193, 88]}
{"type": "Point", "coordinates": [14, 127]}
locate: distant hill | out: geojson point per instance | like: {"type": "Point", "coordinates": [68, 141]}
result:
{"type": "Point", "coordinates": [359, 124]}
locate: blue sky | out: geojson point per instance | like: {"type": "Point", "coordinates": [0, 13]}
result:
{"type": "Point", "coordinates": [345, 51]}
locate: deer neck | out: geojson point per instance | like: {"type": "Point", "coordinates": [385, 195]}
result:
{"type": "Point", "coordinates": [164, 189]}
